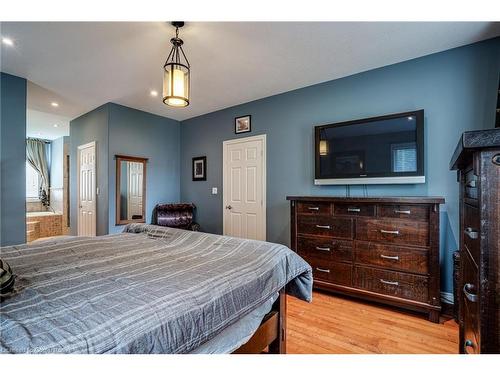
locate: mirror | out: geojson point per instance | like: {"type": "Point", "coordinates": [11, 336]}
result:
{"type": "Point", "coordinates": [130, 189]}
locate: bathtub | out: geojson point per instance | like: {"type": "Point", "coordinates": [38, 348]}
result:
{"type": "Point", "coordinates": [43, 224]}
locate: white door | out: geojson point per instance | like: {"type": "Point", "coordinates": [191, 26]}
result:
{"type": "Point", "coordinates": [134, 196]}
{"type": "Point", "coordinates": [244, 187]}
{"type": "Point", "coordinates": [86, 190]}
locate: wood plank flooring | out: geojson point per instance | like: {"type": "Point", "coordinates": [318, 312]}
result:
{"type": "Point", "coordinates": [332, 324]}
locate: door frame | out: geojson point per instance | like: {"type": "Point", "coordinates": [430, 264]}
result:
{"type": "Point", "coordinates": [79, 148]}
{"type": "Point", "coordinates": [263, 138]}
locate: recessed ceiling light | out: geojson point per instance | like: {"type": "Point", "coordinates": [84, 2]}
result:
{"type": "Point", "coordinates": [54, 104]}
{"type": "Point", "coordinates": [7, 41]}
{"type": "Point", "coordinates": [153, 93]}
{"type": "Point", "coordinates": [56, 126]}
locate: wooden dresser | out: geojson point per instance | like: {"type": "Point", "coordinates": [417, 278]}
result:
{"type": "Point", "coordinates": [382, 249]}
{"type": "Point", "coordinates": [477, 159]}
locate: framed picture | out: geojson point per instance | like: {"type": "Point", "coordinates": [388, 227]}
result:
{"type": "Point", "coordinates": [200, 168]}
{"type": "Point", "coordinates": [242, 124]}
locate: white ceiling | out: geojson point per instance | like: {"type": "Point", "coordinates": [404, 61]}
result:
{"type": "Point", "coordinates": [43, 125]}
{"type": "Point", "coordinates": [86, 64]}
{"type": "Point", "coordinates": [43, 120]}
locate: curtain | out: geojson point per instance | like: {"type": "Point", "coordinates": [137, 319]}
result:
{"type": "Point", "coordinates": [37, 157]}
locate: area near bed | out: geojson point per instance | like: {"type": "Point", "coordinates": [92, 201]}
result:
{"type": "Point", "coordinates": [148, 290]}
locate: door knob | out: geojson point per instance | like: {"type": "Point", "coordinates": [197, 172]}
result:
{"type": "Point", "coordinates": [228, 207]}
{"type": "Point", "coordinates": [468, 344]}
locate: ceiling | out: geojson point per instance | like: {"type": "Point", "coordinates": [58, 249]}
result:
{"type": "Point", "coordinates": [86, 64]}
{"type": "Point", "coordinates": [42, 119]}
{"type": "Point", "coordinates": [46, 125]}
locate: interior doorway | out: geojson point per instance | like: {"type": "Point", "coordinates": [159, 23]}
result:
{"type": "Point", "coordinates": [244, 187]}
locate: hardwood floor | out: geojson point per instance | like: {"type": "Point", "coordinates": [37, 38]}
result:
{"type": "Point", "coordinates": [332, 324]}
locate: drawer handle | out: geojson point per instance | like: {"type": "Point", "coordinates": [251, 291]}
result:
{"type": "Point", "coordinates": [471, 184]}
{"type": "Point", "coordinates": [468, 344]}
{"type": "Point", "coordinates": [313, 208]}
{"type": "Point", "coordinates": [496, 159]}
{"type": "Point", "coordinates": [470, 296]}
{"type": "Point", "coordinates": [323, 226]}
{"type": "Point", "coordinates": [471, 233]}
{"type": "Point", "coordinates": [322, 248]}
{"type": "Point", "coordinates": [322, 270]}
{"type": "Point", "coordinates": [389, 282]}
{"type": "Point", "coordinates": [351, 209]}
{"type": "Point", "coordinates": [406, 212]}
{"type": "Point", "coordinates": [395, 232]}
{"type": "Point", "coordinates": [389, 257]}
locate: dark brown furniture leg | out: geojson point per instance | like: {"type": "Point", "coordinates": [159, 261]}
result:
{"type": "Point", "coordinates": [278, 346]}
{"type": "Point", "coordinates": [434, 316]}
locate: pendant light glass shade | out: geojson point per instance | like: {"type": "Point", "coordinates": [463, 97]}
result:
{"type": "Point", "coordinates": [176, 74]}
{"type": "Point", "coordinates": [175, 85]}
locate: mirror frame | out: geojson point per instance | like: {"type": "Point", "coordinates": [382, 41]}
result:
{"type": "Point", "coordinates": [119, 159]}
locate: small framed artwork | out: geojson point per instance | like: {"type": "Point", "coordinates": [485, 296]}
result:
{"type": "Point", "coordinates": [242, 124]}
{"type": "Point", "coordinates": [200, 168]}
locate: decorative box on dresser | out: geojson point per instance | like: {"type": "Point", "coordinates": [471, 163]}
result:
{"type": "Point", "coordinates": [384, 249]}
{"type": "Point", "coordinates": [477, 160]}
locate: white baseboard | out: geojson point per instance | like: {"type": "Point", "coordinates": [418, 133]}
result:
{"type": "Point", "coordinates": [447, 297]}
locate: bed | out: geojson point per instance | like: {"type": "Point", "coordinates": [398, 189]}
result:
{"type": "Point", "coordinates": [150, 289]}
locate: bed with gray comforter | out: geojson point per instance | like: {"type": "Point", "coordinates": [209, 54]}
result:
{"type": "Point", "coordinates": [149, 289]}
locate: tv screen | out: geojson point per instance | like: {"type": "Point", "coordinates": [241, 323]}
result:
{"type": "Point", "coordinates": [386, 149]}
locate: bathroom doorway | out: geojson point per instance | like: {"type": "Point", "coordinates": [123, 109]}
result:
{"type": "Point", "coordinates": [47, 165]}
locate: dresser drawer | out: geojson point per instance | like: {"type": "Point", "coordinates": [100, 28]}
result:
{"type": "Point", "coordinates": [333, 272]}
{"type": "Point", "coordinates": [314, 208]}
{"type": "Point", "coordinates": [470, 344]}
{"type": "Point", "coordinates": [397, 284]}
{"type": "Point", "coordinates": [392, 257]}
{"type": "Point", "coordinates": [400, 211]}
{"type": "Point", "coordinates": [393, 231]}
{"type": "Point", "coordinates": [469, 291]}
{"type": "Point", "coordinates": [325, 248]}
{"type": "Point", "coordinates": [352, 209]}
{"type": "Point", "coordinates": [325, 226]}
{"type": "Point", "coordinates": [471, 231]}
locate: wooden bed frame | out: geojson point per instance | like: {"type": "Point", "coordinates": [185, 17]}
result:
{"type": "Point", "coordinates": [271, 333]}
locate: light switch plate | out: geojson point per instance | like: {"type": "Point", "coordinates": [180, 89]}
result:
{"type": "Point", "coordinates": [214, 191]}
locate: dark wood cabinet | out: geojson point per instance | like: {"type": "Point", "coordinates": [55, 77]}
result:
{"type": "Point", "coordinates": [477, 160]}
{"type": "Point", "coordinates": [380, 249]}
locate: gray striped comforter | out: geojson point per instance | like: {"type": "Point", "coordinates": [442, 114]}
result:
{"type": "Point", "coordinates": [148, 290]}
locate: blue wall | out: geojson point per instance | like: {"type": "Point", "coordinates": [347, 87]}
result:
{"type": "Point", "coordinates": [127, 131]}
{"type": "Point", "coordinates": [13, 159]}
{"type": "Point", "coordinates": [137, 133]}
{"type": "Point", "coordinates": [92, 126]}
{"type": "Point", "coordinates": [456, 88]}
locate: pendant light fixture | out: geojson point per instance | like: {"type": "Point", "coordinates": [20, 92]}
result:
{"type": "Point", "coordinates": [176, 73]}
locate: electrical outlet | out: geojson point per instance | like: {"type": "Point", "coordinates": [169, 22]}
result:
{"type": "Point", "coordinates": [214, 191]}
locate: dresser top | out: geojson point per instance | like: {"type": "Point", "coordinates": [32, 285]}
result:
{"type": "Point", "coordinates": [410, 200]}
{"type": "Point", "coordinates": [473, 141]}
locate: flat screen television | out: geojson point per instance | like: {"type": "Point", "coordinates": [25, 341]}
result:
{"type": "Point", "coordinates": [378, 150]}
